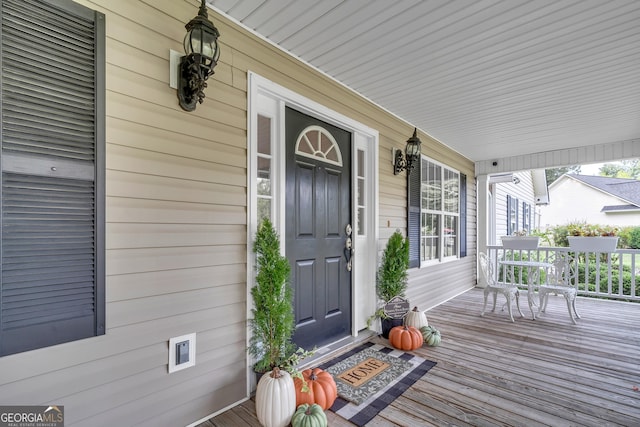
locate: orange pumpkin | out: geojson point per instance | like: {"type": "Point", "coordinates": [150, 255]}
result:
{"type": "Point", "coordinates": [322, 388]}
{"type": "Point", "coordinates": [405, 338]}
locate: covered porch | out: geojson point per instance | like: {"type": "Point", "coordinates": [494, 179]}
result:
{"type": "Point", "coordinates": [530, 373]}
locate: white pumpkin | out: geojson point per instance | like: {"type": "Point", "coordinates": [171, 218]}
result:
{"type": "Point", "coordinates": [416, 318]}
{"type": "Point", "coordinates": [275, 399]}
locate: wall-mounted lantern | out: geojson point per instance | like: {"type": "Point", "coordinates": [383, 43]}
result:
{"type": "Point", "coordinates": [202, 53]}
{"type": "Point", "coordinates": [411, 156]}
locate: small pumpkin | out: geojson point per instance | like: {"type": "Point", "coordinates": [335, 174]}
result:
{"type": "Point", "coordinates": [321, 387]}
{"type": "Point", "coordinates": [431, 336]}
{"type": "Point", "coordinates": [405, 338]}
{"type": "Point", "coordinates": [275, 399]}
{"type": "Point", "coordinates": [309, 416]}
{"type": "Point", "coordinates": [416, 318]}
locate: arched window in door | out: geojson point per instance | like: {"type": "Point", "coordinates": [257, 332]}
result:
{"type": "Point", "coordinates": [317, 143]}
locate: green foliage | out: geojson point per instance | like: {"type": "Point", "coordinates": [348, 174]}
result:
{"type": "Point", "coordinates": [622, 169]}
{"type": "Point", "coordinates": [545, 237]}
{"type": "Point", "coordinates": [272, 324]}
{"type": "Point", "coordinates": [519, 274]}
{"type": "Point", "coordinates": [633, 239]}
{"type": "Point", "coordinates": [601, 278]}
{"type": "Point", "coordinates": [392, 274]}
{"type": "Point", "coordinates": [591, 230]}
{"type": "Point", "coordinates": [557, 236]}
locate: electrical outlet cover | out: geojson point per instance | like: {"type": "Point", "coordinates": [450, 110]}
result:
{"type": "Point", "coordinates": [190, 339]}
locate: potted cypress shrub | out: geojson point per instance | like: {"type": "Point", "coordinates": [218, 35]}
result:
{"type": "Point", "coordinates": [272, 324]}
{"type": "Point", "coordinates": [392, 278]}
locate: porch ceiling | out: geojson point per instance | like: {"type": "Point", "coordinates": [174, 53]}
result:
{"type": "Point", "coordinates": [488, 78]}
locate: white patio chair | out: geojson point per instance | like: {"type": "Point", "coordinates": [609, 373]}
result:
{"type": "Point", "coordinates": [509, 290]}
{"type": "Point", "coordinates": [560, 281]}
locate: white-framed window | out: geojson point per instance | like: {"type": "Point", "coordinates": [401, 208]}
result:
{"type": "Point", "coordinates": [526, 217]}
{"type": "Point", "coordinates": [439, 212]}
{"type": "Point", "coordinates": [264, 166]}
{"type": "Point", "coordinates": [512, 214]}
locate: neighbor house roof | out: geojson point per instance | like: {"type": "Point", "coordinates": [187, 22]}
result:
{"type": "Point", "coordinates": [628, 190]}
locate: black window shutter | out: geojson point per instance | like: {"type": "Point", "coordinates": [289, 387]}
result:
{"type": "Point", "coordinates": [414, 182]}
{"type": "Point", "coordinates": [463, 215]}
{"type": "Point", "coordinates": [52, 182]}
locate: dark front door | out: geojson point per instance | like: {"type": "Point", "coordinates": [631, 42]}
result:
{"type": "Point", "coordinates": [318, 216]}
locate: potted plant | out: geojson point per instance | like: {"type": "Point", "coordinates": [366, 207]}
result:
{"type": "Point", "coordinates": [272, 324]}
{"type": "Point", "coordinates": [391, 279]}
{"type": "Point", "coordinates": [585, 237]}
{"type": "Point", "coordinates": [520, 240]}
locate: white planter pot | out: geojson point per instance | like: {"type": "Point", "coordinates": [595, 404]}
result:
{"type": "Point", "coordinates": [593, 244]}
{"type": "Point", "coordinates": [520, 242]}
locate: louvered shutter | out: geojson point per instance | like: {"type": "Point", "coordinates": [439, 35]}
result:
{"type": "Point", "coordinates": [414, 182]}
{"type": "Point", "coordinates": [52, 124]}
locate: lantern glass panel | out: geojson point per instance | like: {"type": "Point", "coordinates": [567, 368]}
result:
{"type": "Point", "coordinates": [413, 149]}
{"type": "Point", "coordinates": [200, 41]}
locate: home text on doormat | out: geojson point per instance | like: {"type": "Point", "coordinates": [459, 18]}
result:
{"type": "Point", "coordinates": [363, 371]}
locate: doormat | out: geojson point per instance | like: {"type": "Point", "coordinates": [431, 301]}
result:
{"type": "Point", "coordinates": [370, 377]}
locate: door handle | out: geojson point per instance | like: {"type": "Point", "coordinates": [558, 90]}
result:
{"type": "Point", "coordinates": [348, 248]}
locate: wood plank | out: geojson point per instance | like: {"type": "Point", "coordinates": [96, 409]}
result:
{"type": "Point", "coordinates": [492, 372]}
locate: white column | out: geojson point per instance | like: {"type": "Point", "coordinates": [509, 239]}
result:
{"type": "Point", "coordinates": [483, 219]}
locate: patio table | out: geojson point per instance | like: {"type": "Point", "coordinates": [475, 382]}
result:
{"type": "Point", "coordinates": [533, 274]}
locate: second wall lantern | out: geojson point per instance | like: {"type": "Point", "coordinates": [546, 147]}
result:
{"type": "Point", "coordinates": [411, 156]}
{"type": "Point", "coordinates": [202, 53]}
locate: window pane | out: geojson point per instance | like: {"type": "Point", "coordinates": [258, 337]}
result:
{"type": "Point", "coordinates": [360, 190]}
{"type": "Point", "coordinates": [360, 196]}
{"type": "Point", "coordinates": [431, 186]}
{"type": "Point", "coordinates": [264, 135]}
{"type": "Point", "coordinates": [360, 164]}
{"type": "Point", "coordinates": [264, 176]}
{"type": "Point", "coordinates": [451, 191]}
{"type": "Point", "coordinates": [264, 208]}
{"type": "Point", "coordinates": [450, 235]}
{"type": "Point", "coordinates": [318, 143]}
{"type": "Point", "coordinates": [360, 226]}
{"type": "Point", "coordinates": [513, 215]}
{"type": "Point", "coordinates": [430, 240]}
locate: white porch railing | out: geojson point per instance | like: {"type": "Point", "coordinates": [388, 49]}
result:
{"type": "Point", "coordinates": [614, 275]}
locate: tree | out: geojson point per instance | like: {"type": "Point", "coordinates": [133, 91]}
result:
{"type": "Point", "coordinates": [622, 169]}
{"type": "Point", "coordinates": [555, 173]}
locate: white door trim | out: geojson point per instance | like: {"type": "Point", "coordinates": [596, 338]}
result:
{"type": "Point", "coordinates": [268, 98]}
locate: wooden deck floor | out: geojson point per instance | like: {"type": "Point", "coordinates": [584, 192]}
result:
{"type": "Point", "coordinates": [492, 372]}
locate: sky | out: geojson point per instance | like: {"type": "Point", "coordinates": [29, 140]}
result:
{"type": "Point", "coordinates": [591, 169]}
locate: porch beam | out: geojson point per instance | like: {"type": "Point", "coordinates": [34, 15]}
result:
{"type": "Point", "coordinates": [600, 153]}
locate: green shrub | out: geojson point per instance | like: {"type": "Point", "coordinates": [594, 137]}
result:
{"type": "Point", "coordinates": [272, 325]}
{"type": "Point", "coordinates": [634, 238]}
{"type": "Point", "coordinates": [392, 274]}
{"type": "Point", "coordinates": [559, 234]}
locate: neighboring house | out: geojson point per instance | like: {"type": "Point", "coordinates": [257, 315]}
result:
{"type": "Point", "coordinates": [515, 202]}
{"type": "Point", "coordinates": [127, 221]}
{"type": "Point", "coordinates": [593, 199]}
